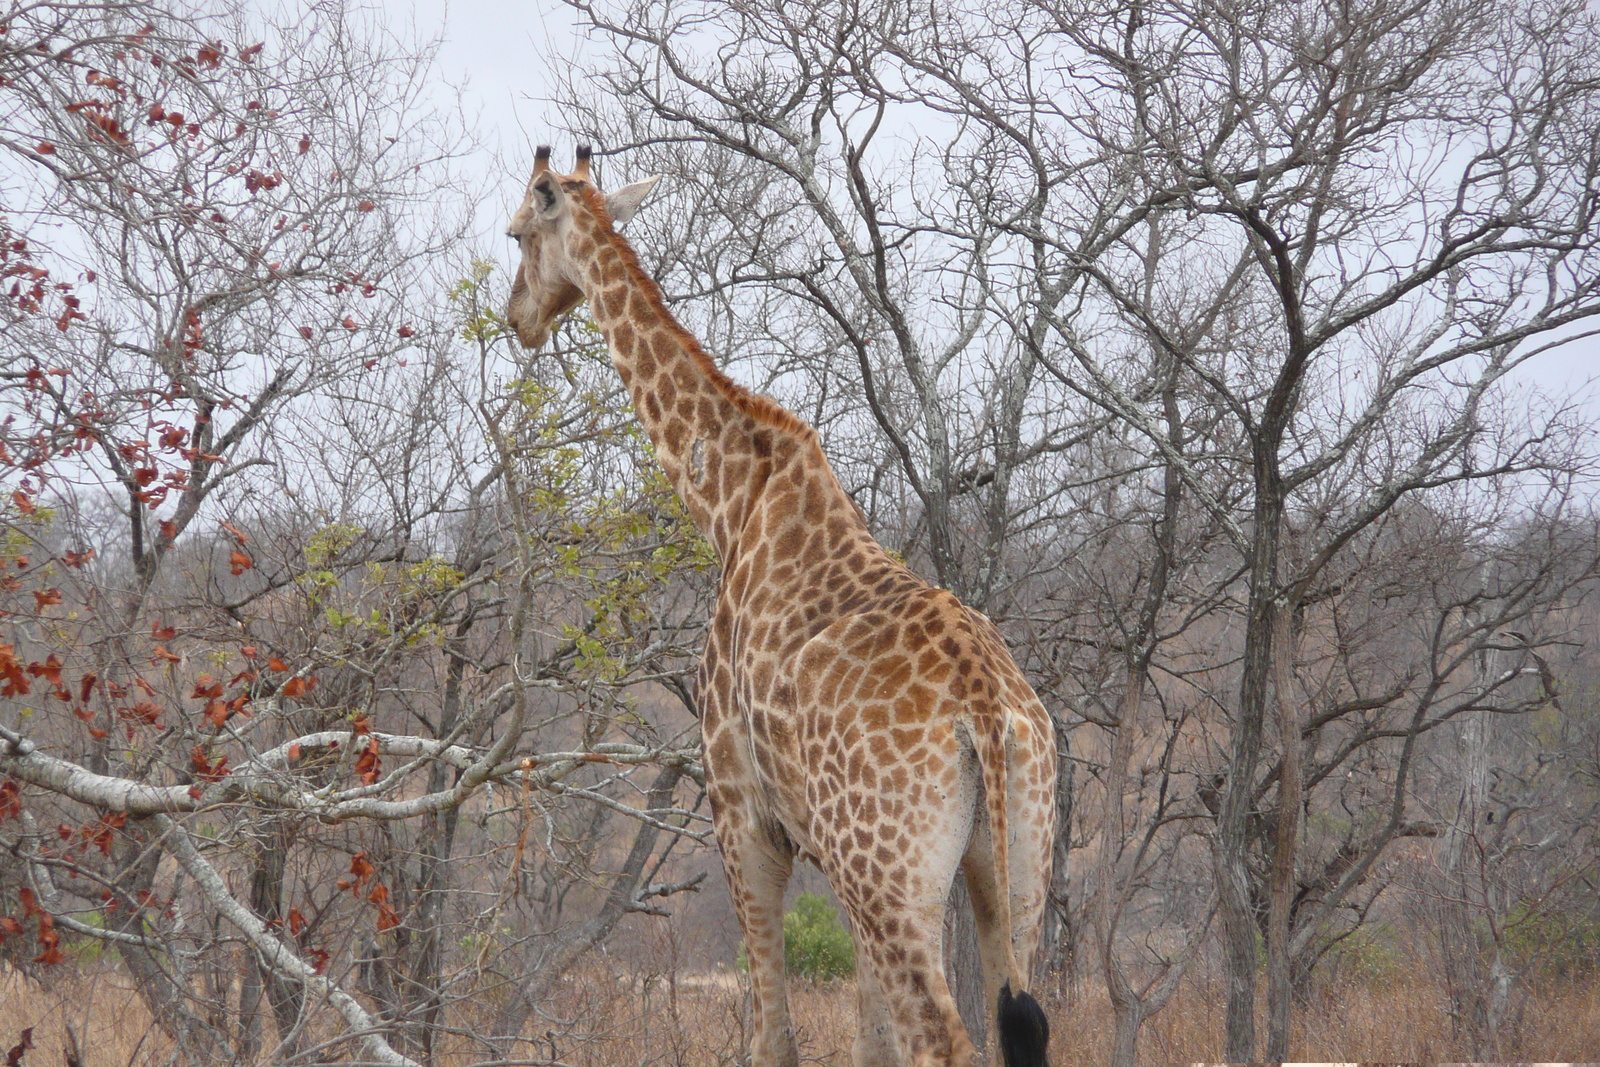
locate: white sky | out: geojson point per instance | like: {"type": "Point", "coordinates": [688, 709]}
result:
{"type": "Point", "coordinates": [492, 51]}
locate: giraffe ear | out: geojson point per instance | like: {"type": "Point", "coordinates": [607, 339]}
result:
{"type": "Point", "coordinates": [625, 201]}
{"type": "Point", "coordinates": [549, 199]}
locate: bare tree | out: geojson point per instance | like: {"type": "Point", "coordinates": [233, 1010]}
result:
{"type": "Point", "coordinates": [313, 597]}
{"type": "Point", "coordinates": [1015, 225]}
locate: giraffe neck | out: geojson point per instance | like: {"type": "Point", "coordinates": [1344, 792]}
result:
{"type": "Point", "coordinates": [718, 442]}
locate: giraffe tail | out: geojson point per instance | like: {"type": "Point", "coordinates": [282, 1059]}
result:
{"type": "Point", "coordinates": [1023, 1030]}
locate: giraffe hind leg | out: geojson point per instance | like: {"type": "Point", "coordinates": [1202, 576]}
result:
{"type": "Point", "coordinates": [875, 1044]}
{"type": "Point", "coordinates": [758, 870]}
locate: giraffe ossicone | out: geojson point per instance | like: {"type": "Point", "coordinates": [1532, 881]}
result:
{"type": "Point", "coordinates": [851, 712]}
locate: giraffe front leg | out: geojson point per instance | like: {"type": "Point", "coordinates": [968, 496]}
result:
{"type": "Point", "coordinates": [758, 870]}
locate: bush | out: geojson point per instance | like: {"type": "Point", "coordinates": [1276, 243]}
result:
{"type": "Point", "coordinates": [816, 945]}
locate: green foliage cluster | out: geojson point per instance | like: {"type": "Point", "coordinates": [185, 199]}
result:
{"type": "Point", "coordinates": [816, 945]}
{"type": "Point", "coordinates": [1552, 942]}
{"type": "Point", "coordinates": [1370, 954]}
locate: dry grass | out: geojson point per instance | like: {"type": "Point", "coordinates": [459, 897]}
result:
{"type": "Point", "coordinates": [611, 1015]}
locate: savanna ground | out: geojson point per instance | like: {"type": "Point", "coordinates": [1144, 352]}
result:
{"type": "Point", "coordinates": [651, 1015]}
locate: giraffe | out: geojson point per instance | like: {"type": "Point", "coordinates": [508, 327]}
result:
{"type": "Point", "coordinates": [852, 714]}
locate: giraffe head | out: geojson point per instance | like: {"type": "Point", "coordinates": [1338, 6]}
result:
{"type": "Point", "coordinates": [550, 277]}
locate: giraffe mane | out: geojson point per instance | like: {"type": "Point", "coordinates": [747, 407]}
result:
{"type": "Point", "coordinates": [763, 409]}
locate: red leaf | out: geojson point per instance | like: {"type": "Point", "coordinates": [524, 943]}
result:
{"type": "Point", "coordinates": [45, 597]}
{"type": "Point", "coordinates": [367, 766]}
{"type": "Point", "coordinates": [361, 867]}
{"type": "Point", "coordinates": [49, 670]}
{"type": "Point", "coordinates": [247, 54]}
{"type": "Point", "coordinates": [365, 205]}
{"type": "Point", "coordinates": [361, 725]}
{"type": "Point", "coordinates": [45, 148]}
{"type": "Point", "coordinates": [10, 802]}
{"type": "Point", "coordinates": [206, 688]}
{"type": "Point", "coordinates": [349, 323]}
{"type": "Point", "coordinates": [97, 733]}
{"type": "Point", "coordinates": [305, 144]}
{"type": "Point", "coordinates": [406, 331]}
{"type": "Point", "coordinates": [276, 664]}
{"type": "Point", "coordinates": [305, 331]}
{"type": "Point", "coordinates": [162, 633]}
{"type": "Point", "coordinates": [205, 770]}
{"type": "Point", "coordinates": [297, 922]}
{"type": "Point", "coordinates": [295, 687]}
{"type": "Point", "coordinates": [388, 918]}
{"type": "Point", "coordinates": [216, 713]}
{"type": "Point", "coordinates": [294, 752]}
{"type": "Point", "coordinates": [321, 958]}
{"type": "Point", "coordinates": [239, 562]}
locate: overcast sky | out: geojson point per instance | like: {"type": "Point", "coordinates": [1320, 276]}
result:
{"type": "Point", "coordinates": [492, 50]}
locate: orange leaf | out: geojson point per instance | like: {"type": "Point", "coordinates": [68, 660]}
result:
{"type": "Point", "coordinates": [294, 752]}
{"type": "Point", "coordinates": [297, 922]}
{"type": "Point", "coordinates": [276, 664]}
{"type": "Point", "coordinates": [162, 633]}
{"type": "Point", "coordinates": [239, 562]}
{"type": "Point", "coordinates": [45, 148]}
{"type": "Point", "coordinates": [295, 687]}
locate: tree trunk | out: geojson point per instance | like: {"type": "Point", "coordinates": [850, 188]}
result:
{"type": "Point", "coordinates": [1239, 929]}
{"type": "Point", "coordinates": [1057, 948]}
{"type": "Point", "coordinates": [266, 900]}
{"type": "Point", "coordinates": [194, 1039]}
{"type": "Point", "coordinates": [963, 968]}
{"type": "Point", "coordinates": [536, 985]}
{"type": "Point", "coordinates": [1280, 991]}
{"type": "Point", "coordinates": [1125, 1037]}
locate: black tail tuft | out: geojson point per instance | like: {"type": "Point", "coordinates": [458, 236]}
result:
{"type": "Point", "coordinates": [1024, 1031]}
